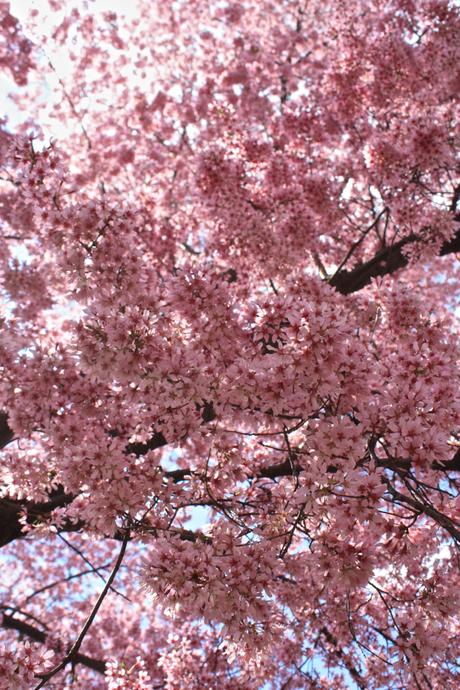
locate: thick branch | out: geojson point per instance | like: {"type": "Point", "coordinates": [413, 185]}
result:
{"type": "Point", "coordinates": [37, 635]}
{"type": "Point", "coordinates": [6, 435]}
{"type": "Point", "coordinates": [157, 440]}
{"type": "Point", "coordinates": [287, 468]}
{"type": "Point", "coordinates": [386, 261]}
{"type": "Point", "coordinates": [11, 511]}
{"type": "Point", "coordinates": [421, 506]}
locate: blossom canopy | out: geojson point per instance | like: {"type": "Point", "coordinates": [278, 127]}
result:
{"type": "Point", "coordinates": [229, 393]}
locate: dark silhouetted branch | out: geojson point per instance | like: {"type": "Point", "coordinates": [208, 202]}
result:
{"type": "Point", "coordinates": [385, 262]}
{"type": "Point", "coordinates": [13, 623]}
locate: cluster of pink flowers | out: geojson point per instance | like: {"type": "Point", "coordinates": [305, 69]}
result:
{"type": "Point", "coordinates": [15, 48]}
{"type": "Point", "coordinates": [119, 677]}
{"type": "Point", "coordinates": [21, 664]}
{"type": "Point", "coordinates": [218, 580]}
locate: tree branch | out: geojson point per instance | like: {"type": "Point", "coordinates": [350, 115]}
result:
{"type": "Point", "coordinates": [385, 262]}
{"type": "Point", "coordinates": [12, 623]}
{"type": "Point", "coordinates": [352, 670]}
{"type": "Point", "coordinates": [73, 652]}
{"type": "Point", "coordinates": [421, 506]}
{"type": "Point", "coordinates": [6, 435]}
{"type": "Point", "coordinates": [11, 511]}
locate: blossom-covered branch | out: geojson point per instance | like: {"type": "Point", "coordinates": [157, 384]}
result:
{"type": "Point", "coordinates": [230, 313]}
{"type": "Point", "coordinates": [14, 623]}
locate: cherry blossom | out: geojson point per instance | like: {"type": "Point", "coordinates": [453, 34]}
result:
{"type": "Point", "coordinates": [229, 392]}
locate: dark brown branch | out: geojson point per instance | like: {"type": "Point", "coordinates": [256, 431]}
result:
{"type": "Point", "coordinates": [455, 201]}
{"type": "Point", "coordinates": [282, 469]}
{"type": "Point", "coordinates": [452, 465]}
{"type": "Point", "coordinates": [287, 469]}
{"type": "Point", "coordinates": [11, 511]}
{"type": "Point", "coordinates": [356, 244]}
{"type": "Point", "coordinates": [385, 262]}
{"type": "Point", "coordinates": [6, 435]}
{"type": "Point", "coordinates": [74, 650]}
{"type": "Point", "coordinates": [12, 623]}
{"type": "Point", "coordinates": [421, 506]}
{"type": "Point", "coordinates": [157, 440]}
{"type": "Point", "coordinates": [352, 670]}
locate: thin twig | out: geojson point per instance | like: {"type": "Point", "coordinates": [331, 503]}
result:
{"type": "Point", "coordinates": [70, 656]}
{"type": "Point", "coordinates": [67, 579]}
{"type": "Point", "coordinates": [88, 562]}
